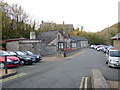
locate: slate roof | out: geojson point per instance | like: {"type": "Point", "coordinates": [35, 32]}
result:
{"type": "Point", "coordinates": [64, 34]}
{"type": "Point", "coordinates": [116, 36]}
{"type": "Point", "coordinates": [70, 26]}
{"type": "Point", "coordinates": [79, 38]}
{"type": "Point", "coordinates": [47, 37]}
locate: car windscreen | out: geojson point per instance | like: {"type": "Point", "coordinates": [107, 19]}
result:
{"type": "Point", "coordinates": [4, 53]}
{"type": "Point", "coordinates": [12, 53]}
{"type": "Point", "coordinates": [20, 53]}
{"type": "Point", "coordinates": [29, 52]}
{"type": "Point", "coordinates": [24, 53]}
{"type": "Point", "coordinates": [115, 53]}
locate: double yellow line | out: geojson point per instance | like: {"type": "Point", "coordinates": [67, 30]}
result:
{"type": "Point", "coordinates": [12, 77]}
{"type": "Point", "coordinates": [84, 83]}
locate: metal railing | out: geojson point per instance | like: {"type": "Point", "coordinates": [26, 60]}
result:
{"type": "Point", "coordinates": [68, 53]}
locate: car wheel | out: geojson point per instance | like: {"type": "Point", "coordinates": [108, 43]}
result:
{"type": "Point", "coordinates": [2, 65]}
{"type": "Point", "coordinates": [22, 62]}
{"type": "Point", "coordinates": [106, 62]}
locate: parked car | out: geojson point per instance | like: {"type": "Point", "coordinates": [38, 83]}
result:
{"type": "Point", "coordinates": [12, 61]}
{"type": "Point", "coordinates": [23, 58]}
{"type": "Point", "coordinates": [37, 57]}
{"type": "Point", "coordinates": [113, 58]}
{"type": "Point", "coordinates": [109, 48]}
{"type": "Point", "coordinates": [105, 49]}
{"type": "Point", "coordinates": [101, 47]}
{"type": "Point", "coordinates": [92, 46]}
{"type": "Point", "coordinates": [97, 46]}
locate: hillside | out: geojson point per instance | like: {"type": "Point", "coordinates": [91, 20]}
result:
{"type": "Point", "coordinates": [113, 30]}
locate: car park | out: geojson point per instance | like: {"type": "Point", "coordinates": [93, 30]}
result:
{"type": "Point", "coordinates": [23, 58]}
{"type": "Point", "coordinates": [113, 58]}
{"type": "Point", "coordinates": [37, 57]}
{"type": "Point", "coordinates": [12, 61]}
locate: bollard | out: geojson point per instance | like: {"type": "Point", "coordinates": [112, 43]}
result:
{"type": "Point", "coordinates": [64, 54]}
{"type": "Point", "coordinates": [6, 71]}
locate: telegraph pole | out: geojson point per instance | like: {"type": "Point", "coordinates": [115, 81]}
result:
{"type": "Point", "coordinates": [109, 35]}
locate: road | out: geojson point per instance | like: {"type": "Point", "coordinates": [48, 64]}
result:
{"type": "Point", "coordinates": [65, 73]}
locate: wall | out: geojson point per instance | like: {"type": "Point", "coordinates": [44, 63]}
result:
{"type": "Point", "coordinates": [56, 40]}
{"type": "Point", "coordinates": [12, 46]}
{"type": "Point", "coordinates": [116, 44]}
{"type": "Point", "coordinates": [68, 42]}
{"type": "Point", "coordinates": [46, 50]}
{"type": "Point", "coordinates": [84, 44]}
{"type": "Point", "coordinates": [36, 47]}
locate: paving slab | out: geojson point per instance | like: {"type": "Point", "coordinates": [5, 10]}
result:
{"type": "Point", "coordinates": [114, 84]}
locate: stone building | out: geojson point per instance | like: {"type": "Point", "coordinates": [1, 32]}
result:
{"type": "Point", "coordinates": [55, 38]}
{"type": "Point", "coordinates": [77, 42]}
{"type": "Point", "coordinates": [116, 41]}
{"type": "Point", "coordinates": [47, 26]}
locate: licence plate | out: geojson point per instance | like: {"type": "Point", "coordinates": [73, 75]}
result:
{"type": "Point", "coordinates": [16, 62]}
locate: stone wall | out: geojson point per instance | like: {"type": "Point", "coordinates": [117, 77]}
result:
{"type": "Point", "coordinates": [34, 46]}
{"type": "Point", "coordinates": [12, 46]}
{"type": "Point", "coordinates": [46, 49]}
{"type": "Point", "coordinates": [84, 44]}
{"type": "Point", "coordinates": [116, 44]}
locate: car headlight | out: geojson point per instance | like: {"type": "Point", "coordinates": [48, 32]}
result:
{"type": "Point", "coordinates": [8, 60]}
{"type": "Point", "coordinates": [38, 57]}
{"type": "Point", "coordinates": [28, 58]}
{"type": "Point", "coordinates": [113, 61]}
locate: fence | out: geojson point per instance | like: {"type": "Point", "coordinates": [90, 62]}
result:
{"type": "Point", "coordinates": [68, 53]}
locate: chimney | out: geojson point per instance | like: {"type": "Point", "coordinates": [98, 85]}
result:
{"type": "Point", "coordinates": [32, 35]}
{"type": "Point", "coordinates": [42, 22]}
{"type": "Point", "coordinates": [63, 22]}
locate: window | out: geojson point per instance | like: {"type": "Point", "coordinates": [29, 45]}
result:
{"type": "Point", "coordinates": [60, 45]}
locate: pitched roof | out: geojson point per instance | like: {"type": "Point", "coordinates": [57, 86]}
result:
{"type": "Point", "coordinates": [70, 26]}
{"type": "Point", "coordinates": [116, 36]}
{"type": "Point", "coordinates": [79, 38]}
{"type": "Point", "coordinates": [47, 37]}
{"type": "Point", "coordinates": [64, 34]}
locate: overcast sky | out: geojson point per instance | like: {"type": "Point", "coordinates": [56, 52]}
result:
{"type": "Point", "coordinates": [93, 15]}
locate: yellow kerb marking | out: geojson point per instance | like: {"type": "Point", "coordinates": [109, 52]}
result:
{"type": "Point", "coordinates": [86, 78]}
{"type": "Point", "coordinates": [81, 84]}
{"type": "Point", "coordinates": [12, 77]}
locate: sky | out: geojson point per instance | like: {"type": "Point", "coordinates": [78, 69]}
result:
{"type": "Point", "coordinates": [93, 15]}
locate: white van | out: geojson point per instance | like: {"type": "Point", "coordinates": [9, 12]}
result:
{"type": "Point", "coordinates": [113, 58]}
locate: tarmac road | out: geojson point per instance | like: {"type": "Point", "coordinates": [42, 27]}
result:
{"type": "Point", "coordinates": [63, 73]}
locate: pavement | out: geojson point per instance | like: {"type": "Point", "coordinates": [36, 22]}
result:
{"type": "Point", "coordinates": [10, 72]}
{"type": "Point", "coordinates": [58, 58]}
{"type": "Point", "coordinates": [63, 72]}
{"type": "Point", "coordinates": [113, 84]}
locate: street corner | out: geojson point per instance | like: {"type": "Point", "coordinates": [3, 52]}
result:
{"type": "Point", "coordinates": [98, 80]}
{"type": "Point", "coordinates": [10, 72]}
